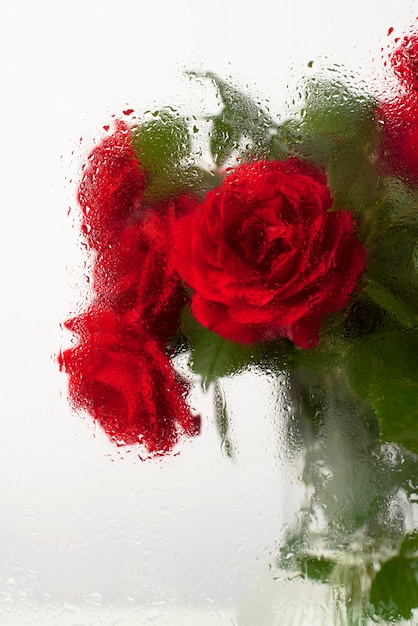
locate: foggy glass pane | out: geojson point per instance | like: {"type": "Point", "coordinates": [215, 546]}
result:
{"type": "Point", "coordinates": [175, 520]}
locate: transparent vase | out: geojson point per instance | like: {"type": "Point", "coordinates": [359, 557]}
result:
{"type": "Point", "coordinates": [351, 557]}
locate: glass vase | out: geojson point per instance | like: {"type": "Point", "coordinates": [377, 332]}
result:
{"type": "Point", "coordinates": [350, 556]}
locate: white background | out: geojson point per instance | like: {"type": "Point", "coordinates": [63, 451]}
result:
{"type": "Point", "coordinates": [86, 533]}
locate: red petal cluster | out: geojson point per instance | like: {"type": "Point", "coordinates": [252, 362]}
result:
{"type": "Point", "coordinates": [404, 62]}
{"type": "Point", "coordinates": [119, 371]}
{"type": "Point", "coordinates": [133, 277]}
{"type": "Point", "coordinates": [400, 137]}
{"type": "Point", "coordinates": [111, 188]}
{"type": "Point", "coordinates": [122, 376]}
{"type": "Point", "coordinates": [399, 154]}
{"type": "Point", "coordinates": [266, 256]}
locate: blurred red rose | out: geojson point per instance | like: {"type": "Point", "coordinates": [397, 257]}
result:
{"type": "Point", "coordinates": [111, 188]}
{"type": "Point", "coordinates": [266, 256]}
{"type": "Point", "coordinates": [133, 276]}
{"type": "Point", "coordinates": [404, 61]}
{"type": "Point", "coordinates": [123, 378]}
{"type": "Point", "coordinates": [399, 153]}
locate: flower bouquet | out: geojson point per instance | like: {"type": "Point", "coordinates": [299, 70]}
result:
{"type": "Point", "coordinates": [293, 252]}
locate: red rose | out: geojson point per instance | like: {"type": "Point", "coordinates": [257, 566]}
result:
{"type": "Point", "coordinates": [266, 256]}
{"type": "Point", "coordinates": [399, 154]}
{"type": "Point", "coordinates": [111, 188]}
{"type": "Point", "coordinates": [133, 277]}
{"type": "Point", "coordinates": [404, 61]}
{"type": "Point", "coordinates": [123, 378]}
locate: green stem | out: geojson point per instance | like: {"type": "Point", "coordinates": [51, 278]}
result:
{"type": "Point", "coordinates": [222, 419]}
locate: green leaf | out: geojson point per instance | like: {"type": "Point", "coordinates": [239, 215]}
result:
{"type": "Point", "coordinates": [383, 370]}
{"type": "Point", "coordinates": [409, 547]}
{"type": "Point", "coordinates": [240, 111]}
{"type": "Point", "coordinates": [240, 117]}
{"type": "Point", "coordinates": [400, 202]}
{"type": "Point", "coordinates": [213, 356]}
{"type": "Point", "coordinates": [161, 145]}
{"type": "Point", "coordinates": [340, 132]}
{"type": "Point", "coordinates": [393, 273]}
{"type": "Point", "coordinates": [352, 177]}
{"type": "Point", "coordinates": [161, 141]}
{"type": "Point", "coordinates": [394, 590]}
{"type": "Point", "coordinates": [319, 360]}
{"type": "Point", "coordinates": [223, 140]}
{"type": "Point", "coordinates": [391, 303]}
{"type": "Point", "coordinates": [332, 110]}
{"type": "Point", "coordinates": [283, 139]}
{"type": "Point", "coordinates": [318, 568]}
{"type": "Point", "coordinates": [364, 318]}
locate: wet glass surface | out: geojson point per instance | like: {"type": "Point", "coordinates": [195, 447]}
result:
{"type": "Point", "coordinates": [89, 532]}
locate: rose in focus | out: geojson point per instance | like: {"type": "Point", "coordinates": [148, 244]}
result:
{"type": "Point", "coordinates": [121, 375]}
{"type": "Point", "coordinates": [266, 256]}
